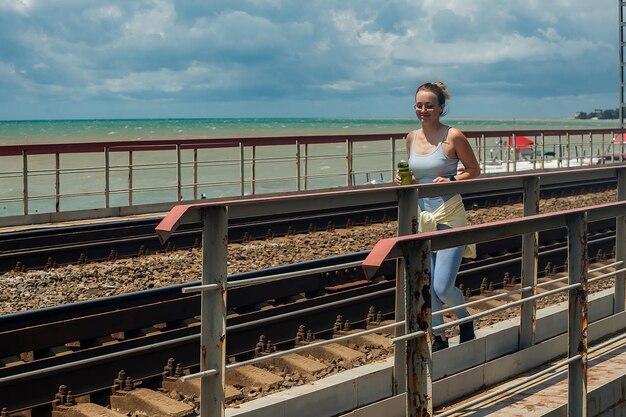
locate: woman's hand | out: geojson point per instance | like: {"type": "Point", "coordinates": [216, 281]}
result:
{"type": "Point", "coordinates": [398, 180]}
{"type": "Point", "coordinates": [441, 179]}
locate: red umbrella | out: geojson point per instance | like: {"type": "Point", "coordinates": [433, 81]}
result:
{"type": "Point", "coordinates": [618, 139]}
{"type": "Point", "coordinates": [521, 143]}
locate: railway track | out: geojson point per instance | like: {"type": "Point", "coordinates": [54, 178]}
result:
{"type": "Point", "coordinates": [139, 333]}
{"type": "Point", "coordinates": [50, 247]}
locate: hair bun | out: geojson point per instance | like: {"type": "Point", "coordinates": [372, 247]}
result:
{"type": "Point", "coordinates": [443, 88]}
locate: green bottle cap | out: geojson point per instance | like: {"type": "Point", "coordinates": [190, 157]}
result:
{"type": "Point", "coordinates": [403, 164]}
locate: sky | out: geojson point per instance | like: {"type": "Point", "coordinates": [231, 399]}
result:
{"type": "Point", "coordinates": [65, 59]}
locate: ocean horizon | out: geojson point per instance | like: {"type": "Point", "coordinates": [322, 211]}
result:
{"type": "Point", "coordinates": [14, 132]}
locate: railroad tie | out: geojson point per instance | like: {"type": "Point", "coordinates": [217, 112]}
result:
{"type": "Point", "coordinates": [252, 376]}
{"type": "Point", "coordinates": [148, 402]}
{"type": "Point", "coordinates": [85, 410]}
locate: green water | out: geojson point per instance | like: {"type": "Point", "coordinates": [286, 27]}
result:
{"type": "Point", "coordinates": [63, 131]}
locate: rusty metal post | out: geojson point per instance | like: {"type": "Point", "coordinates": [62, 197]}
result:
{"type": "Point", "coordinates": [620, 243]}
{"type": "Point", "coordinates": [407, 224]}
{"type": "Point", "coordinates": [418, 317]}
{"type": "Point", "coordinates": [530, 249]}
{"type": "Point", "coordinates": [213, 310]}
{"type": "Point", "coordinates": [578, 317]}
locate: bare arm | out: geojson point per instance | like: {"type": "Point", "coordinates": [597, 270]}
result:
{"type": "Point", "coordinates": [462, 149]}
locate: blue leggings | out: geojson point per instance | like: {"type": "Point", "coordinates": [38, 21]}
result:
{"type": "Point", "coordinates": [445, 265]}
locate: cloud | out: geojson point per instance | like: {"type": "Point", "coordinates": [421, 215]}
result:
{"type": "Point", "coordinates": [256, 51]}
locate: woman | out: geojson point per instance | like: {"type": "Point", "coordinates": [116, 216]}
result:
{"type": "Point", "coordinates": [434, 153]}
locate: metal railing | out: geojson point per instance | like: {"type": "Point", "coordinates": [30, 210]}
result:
{"type": "Point", "coordinates": [416, 250]}
{"type": "Point", "coordinates": [100, 175]}
{"type": "Point", "coordinates": [412, 370]}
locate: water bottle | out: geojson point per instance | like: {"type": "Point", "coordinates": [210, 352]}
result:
{"type": "Point", "coordinates": [406, 177]}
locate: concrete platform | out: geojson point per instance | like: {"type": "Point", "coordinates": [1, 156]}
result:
{"type": "Point", "coordinates": [548, 396]}
{"type": "Point", "coordinates": [460, 371]}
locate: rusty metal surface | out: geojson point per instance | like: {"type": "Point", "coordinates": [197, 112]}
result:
{"type": "Point", "coordinates": [418, 317]}
{"type": "Point", "coordinates": [530, 258]}
{"type": "Point", "coordinates": [578, 313]}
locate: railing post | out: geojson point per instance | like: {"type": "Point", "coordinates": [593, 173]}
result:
{"type": "Point", "coordinates": [508, 155]}
{"type": "Point", "coordinates": [483, 141]}
{"type": "Point", "coordinates": [514, 147]}
{"type": "Point", "coordinates": [130, 178]}
{"type": "Point", "coordinates": [213, 310]}
{"type": "Point", "coordinates": [543, 150]}
{"type": "Point", "coordinates": [392, 143]}
{"type": "Point", "coordinates": [477, 152]}
{"type": "Point", "coordinates": [25, 182]}
{"type": "Point", "coordinates": [253, 172]}
{"type": "Point", "coordinates": [621, 147]}
{"type": "Point", "coordinates": [306, 166]}
{"type": "Point", "coordinates": [107, 178]}
{"type": "Point", "coordinates": [578, 318]}
{"type": "Point", "coordinates": [349, 181]}
{"type": "Point", "coordinates": [534, 151]}
{"type": "Point", "coordinates": [179, 190]}
{"type": "Point", "coordinates": [195, 173]}
{"type": "Point", "coordinates": [418, 317]}
{"type": "Point", "coordinates": [602, 155]}
{"type": "Point", "coordinates": [242, 170]}
{"type": "Point", "coordinates": [568, 148]}
{"type": "Point", "coordinates": [298, 186]}
{"type": "Point", "coordinates": [590, 148]}
{"type": "Point", "coordinates": [530, 249]}
{"type": "Point", "coordinates": [57, 182]}
{"type": "Point", "coordinates": [620, 244]}
{"type": "Point", "coordinates": [407, 224]}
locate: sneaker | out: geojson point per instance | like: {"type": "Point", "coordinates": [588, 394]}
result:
{"type": "Point", "coordinates": [466, 332]}
{"type": "Point", "coordinates": [439, 343]}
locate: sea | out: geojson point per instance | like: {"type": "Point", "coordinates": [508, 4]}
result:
{"type": "Point", "coordinates": [81, 181]}
{"type": "Point", "coordinates": [97, 130]}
